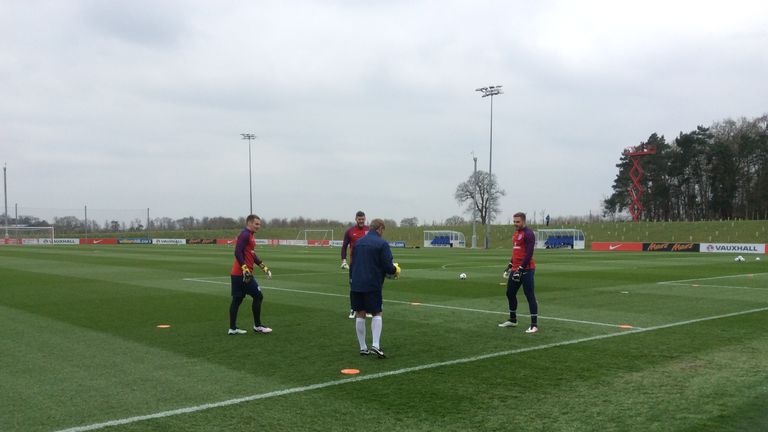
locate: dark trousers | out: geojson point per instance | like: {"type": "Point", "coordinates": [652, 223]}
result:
{"type": "Point", "coordinates": [527, 283]}
{"type": "Point", "coordinates": [239, 291]}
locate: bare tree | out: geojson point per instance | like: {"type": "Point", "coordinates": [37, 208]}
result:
{"type": "Point", "coordinates": [390, 223]}
{"type": "Point", "coordinates": [481, 194]}
{"type": "Point", "coordinates": [455, 220]}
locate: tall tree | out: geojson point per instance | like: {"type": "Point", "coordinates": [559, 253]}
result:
{"type": "Point", "coordinates": [481, 194]}
{"type": "Point", "coordinates": [718, 172]}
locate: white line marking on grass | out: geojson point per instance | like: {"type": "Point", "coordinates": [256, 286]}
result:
{"type": "Point", "coordinates": [326, 384]}
{"type": "Point", "coordinates": [422, 304]}
{"type": "Point", "coordinates": [503, 313]}
{"type": "Point", "coordinates": [462, 264]}
{"type": "Point", "coordinates": [714, 277]}
{"type": "Point", "coordinates": [682, 282]}
{"type": "Point", "coordinates": [695, 285]}
{"type": "Point", "coordinates": [206, 281]}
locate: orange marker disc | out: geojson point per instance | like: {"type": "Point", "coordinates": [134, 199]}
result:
{"type": "Point", "coordinates": [163, 326]}
{"type": "Point", "coordinates": [625, 326]}
{"type": "Point", "coordinates": [415, 303]}
{"type": "Point", "coordinates": [350, 371]}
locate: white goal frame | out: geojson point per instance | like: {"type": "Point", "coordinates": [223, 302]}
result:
{"type": "Point", "coordinates": [23, 235]}
{"type": "Point", "coordinates": [444, 238]}
{"type": "Point", "coordinates": [312, 237]}
{"type": "Point", "coordinates": [557, 238]}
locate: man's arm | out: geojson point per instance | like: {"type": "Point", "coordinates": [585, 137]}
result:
{"type": "Point", "coordinates": [344, 245]}
{"type": "Point", "coordinates": [257, 262]}
{"type": "Point", "coordinates": [242, 242]}
{"type": "Point", "coordinates": [530, 243]}
{"type": "Point", "coordinates": [386, 259]}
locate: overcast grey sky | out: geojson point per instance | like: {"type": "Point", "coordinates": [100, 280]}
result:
{"type": "Point", "coordinates": [357, 105]}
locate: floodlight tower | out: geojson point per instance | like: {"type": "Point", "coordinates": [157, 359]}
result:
{"type": "Point", "coordinates": [5, 196]}
{"type": "Point", "coordinates": [250, 137]}
{"type": "Point", "coordinates": [490, 91]}
{"type": "Point", "coordinates": [636, 173]}
{"type": "Point", "coordinates": [474, 203]}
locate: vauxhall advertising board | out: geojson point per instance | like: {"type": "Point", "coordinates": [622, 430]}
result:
{"type": "Point", "coordinates": [741, 248]}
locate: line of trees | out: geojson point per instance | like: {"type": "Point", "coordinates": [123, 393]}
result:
{"type": "Point", "coordinates": [719, 172]}
{"type": "Point", "coordinates": [75, 224]}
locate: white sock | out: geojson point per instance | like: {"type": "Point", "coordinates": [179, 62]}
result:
{"type": "Point", "coordinates": [376, 330]}
{"type": "Point", "coordinates": [360, 327]}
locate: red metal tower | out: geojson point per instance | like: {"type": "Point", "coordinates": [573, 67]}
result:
{"type": "Point", "coordinates": [636, 173]}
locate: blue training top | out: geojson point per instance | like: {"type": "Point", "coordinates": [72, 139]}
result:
{"type": "Point", "coordinates": [371, 262]}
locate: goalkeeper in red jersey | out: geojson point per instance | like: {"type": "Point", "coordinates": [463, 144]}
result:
{"type": "Point", "coordinates": [351, 236]}
{"type": "Point", "coordinates": [520, 271]}
{"type": "Point", "coordinates": [243, 282]}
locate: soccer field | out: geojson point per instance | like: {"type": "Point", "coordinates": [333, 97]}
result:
{"type": "Point", "coordinates": [628, 341]}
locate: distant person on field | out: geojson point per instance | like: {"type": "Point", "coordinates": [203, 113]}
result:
{"type": "Point", "coordinates": [351, 236]}
{"type": "Point", "coordinates": [371, 263]}
{"type": "Point", "coordinates": [547, 220]}
{"type": "Point", "coordinates": [243, 281]}
{"type": "Point", "coordinates": [520, 271]}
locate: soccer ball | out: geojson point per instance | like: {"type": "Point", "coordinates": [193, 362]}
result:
{"type": "Point", "coordinates": [462, 276]}
{"type": "Point", "coordinates": [739, 259]}
{"type": "Point", "coordinates": [757, 258]}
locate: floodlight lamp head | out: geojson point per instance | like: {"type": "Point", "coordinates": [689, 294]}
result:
{"type": "Point", "coordinates": [490, 91]}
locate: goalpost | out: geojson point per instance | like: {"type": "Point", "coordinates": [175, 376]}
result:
{"type": "Point", "coordinates": [316, 237]}
{"type": "Point", "coordinates": [18, 235]}
{"type": "Point", "coordinates": [444, 239]}
{"type": "Point", "coordinates": [560, 238]}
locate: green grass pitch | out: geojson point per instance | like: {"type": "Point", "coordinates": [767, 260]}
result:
{"type": "Point", "coordinates": [80, 348]}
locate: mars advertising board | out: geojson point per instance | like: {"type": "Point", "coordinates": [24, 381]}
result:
{"type": "Point", "coordinates": [201, 241]}
{"type": "Point", "coordinates": [741, 248]}
{"type": "Point", "coordinates": [617, 246]}
{"type": "Point", "coordinates": [671, 247]}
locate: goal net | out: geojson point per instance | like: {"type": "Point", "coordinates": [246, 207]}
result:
{"type": "Point", "coordinates": [560, 238]}
{"type": "Point", "coordinates": [17, 235]}
{"type": "Point", "coordinates": [316, 237]}
{"type": "Point", "coordinates": [444, 239]}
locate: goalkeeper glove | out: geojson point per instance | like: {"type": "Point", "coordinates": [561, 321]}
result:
{"type": "Point", "coordinates": [247, 275]}
{"type": "Point", "coordinates": [344, 264]}
{"type": "Point", "coordinates": [266, 270]}
{"type": "Point", "coordinates": [517, 275]}
{"type": "Point", "coordinates": [396, 274]}
{"type": "Point", "coordinates": [507, 271]}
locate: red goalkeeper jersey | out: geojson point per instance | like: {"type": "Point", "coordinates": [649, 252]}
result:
{"type": "Point", "coordinates": [352, 235]}
{"type": "Point", "coordinates": [523, 242]}
{"type": "Point", "coordinates": [244, 253]}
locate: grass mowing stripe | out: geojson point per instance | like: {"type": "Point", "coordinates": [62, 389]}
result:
{"type": "Point", "coordinates": [421, 304]}
{"type": "Point", "coordinates": [318, 386]}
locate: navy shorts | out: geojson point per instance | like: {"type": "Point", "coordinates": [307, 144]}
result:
{"type": "Point", "coordinates": [240, 289]}
{"type": "Point", "coordinates": [366, 301]}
